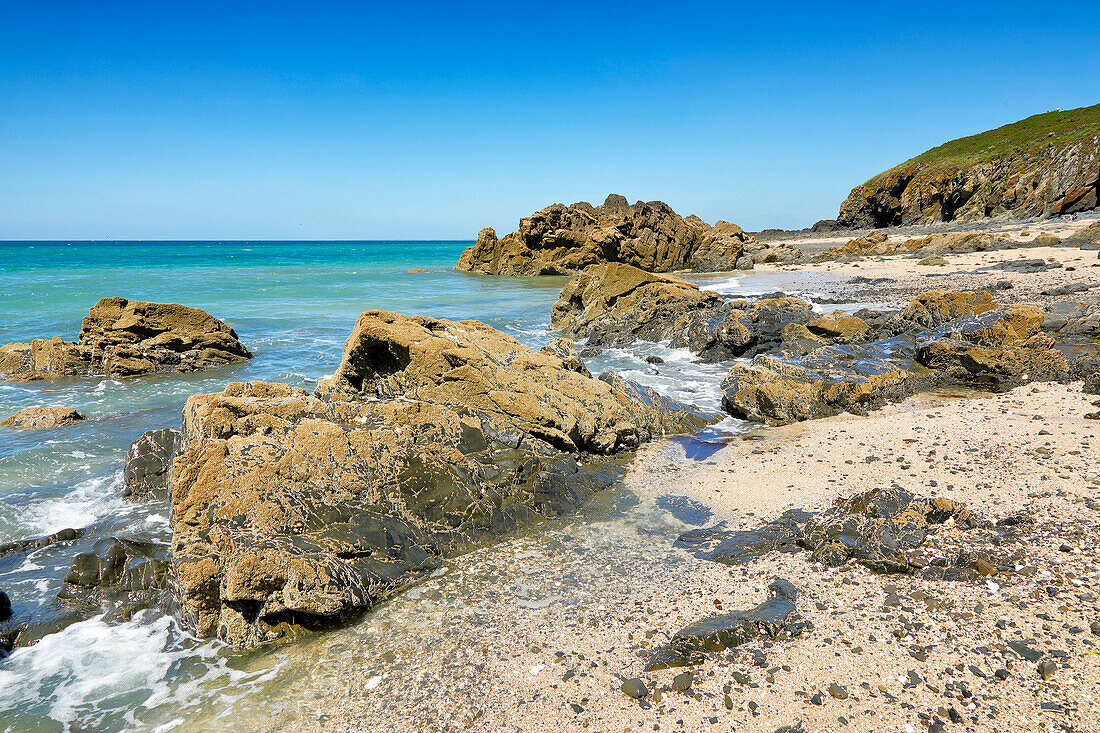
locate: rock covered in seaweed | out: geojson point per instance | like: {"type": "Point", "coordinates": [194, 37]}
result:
{"type": "Point", "coordinates": [294, 511]}
{"type": "Point", "coordinates": [562, 240]}
{"type": "Point", "coordinates": [123, 338]}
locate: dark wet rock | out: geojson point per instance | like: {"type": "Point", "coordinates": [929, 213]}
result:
{"type": "Point", "coordinates": [934, 308]}
{"type": "Point", "coordinates": [5, 606]}
{"type": "Point", "coordinates": [774, 617]}
{"type": "Point", "coordinates": [123, 338]}
{"type": "Point", "coordinates": [1025, 267]}
{"type": "Point", "coordinates": [36, 418]}
{"type": "Point", "coordinates": [293, 512]}
{"type": "Point", "coordinates": [634, 688]}
{"type": "Point", "coordinates": [122, 575]}
{"type": "Point", "coordinates": [735, 547]}
{"type": "Point", "coordinates": [654, 360]}
{"type": "Point", "coordinates": [684, 508]}
{"type": "Point", "coordinates": [1074, 317]}
{"type": "Point", "coordinates": [64, 535]}
{"type": "Point", "coordinates": [1069, 289]}
{"type": "Point", "coordinates": [148, 463]}
{"type": "Point", "coordinates": [881, 529]}
{"type": "Point", "coordinates": [560, 240]}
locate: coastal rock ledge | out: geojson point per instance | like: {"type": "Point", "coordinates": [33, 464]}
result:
{"type": "Point", "coordinates": [124, 338]}
{"type": "Point", "coordinates": [293, 511]}
{"type": "Point", "coordinates": [563, 240]}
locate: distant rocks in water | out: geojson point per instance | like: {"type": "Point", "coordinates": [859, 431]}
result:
{"type": "Point", "coordinates": [615, 304]}
{"type": "Point", "coordinates": [1044, 165]}
{"type": "Point", "coordinates": [293, 511]}
{"type": "Point", "coordinates": [416, 270]}
{"type": "Point", "coordinates": [148, 463]}
{"type": "Point", "coordinates": [36, 418]}
{"type": "Point", "coordinates": [123, 338]}
{"type": "Point", "coordinates": [941, 337]}
{"type": "Point", "coordinates": [563, 240]}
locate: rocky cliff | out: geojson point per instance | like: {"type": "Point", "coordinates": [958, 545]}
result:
{"type": "Point", "coordinates": [1045, 165]}
{"type": "Point", "coordinates": [562, 240]}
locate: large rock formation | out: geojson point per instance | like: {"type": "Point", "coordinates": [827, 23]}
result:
{"type": "Point", "coordinates": [615, 304]}
{"type": "Point", "coordinates": [293, 511]}
{"type": "Point", "coordinates": [123, 338]}
{"type": "Point", "coordinates": [36, 418]}
{"type": "Point", "coordinates": [1044, 165]}
{"type": "Point", "coordinates": [940, 337]}
{"type": "Point", "coordinates": [562, 240]}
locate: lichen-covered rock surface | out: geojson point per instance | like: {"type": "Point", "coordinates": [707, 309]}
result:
{"type": "Point", "coordinates": [124, 338]}
{"type": "Point", "coordinates": [37, 418]}
{"type": "Point", "coordinates": [562, 240]}
{"type": "Point", "coordinates": [293, 511]}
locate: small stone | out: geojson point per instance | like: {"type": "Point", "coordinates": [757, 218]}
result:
{"type": "Point", "coordinates": [817, 699]}
{"type": "Point", "coordinates": [682, 682]}
{"type": "Point", "coordinates": [728, 702]}
{"type": "Point", "coordinates": [1046, 669]}
{"type": "Point", "coordinates": [838, 691]}
{"type": "Point", "coordinates": [634, 688]}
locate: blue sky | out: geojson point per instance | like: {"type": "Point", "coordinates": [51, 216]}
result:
{"type": "Point", "coordinates": [423, 120]}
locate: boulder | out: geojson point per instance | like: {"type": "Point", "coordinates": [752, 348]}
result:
{"type": "Point", "coordinates": [1089, 235]}
{"type": "Point", "coordinates": [1080, 317]}
{"type": "Point", "coordinates": [148, 463]}
{"type": "Point", "coordinates": [5, 606]}
{"type": "Point", "coordinates": [293, 511]}
{"type": "Point", "coordinates": [827, 381]}
{"type": "Point", "coordinates": [35, 418]}
{"type": "Point", "coordinates": [120, 566]}
{"type": "Point", "coordinates": [123, 338]}
{"type": "Point", "coordinates": [562, 240]}
{"type": "Point", "coordinates": [841, 327]}
{"type": "Point", "coordinates": [933, 308]}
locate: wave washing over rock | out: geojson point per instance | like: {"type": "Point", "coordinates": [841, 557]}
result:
{"type": "Point", "coordinates": [562, 240]}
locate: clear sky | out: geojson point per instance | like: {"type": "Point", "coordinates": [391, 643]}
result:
{"type": "Point", "coordinates": [423, 120]}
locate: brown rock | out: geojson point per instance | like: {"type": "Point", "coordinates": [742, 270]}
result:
{"type": "Point", "coordinates": [122, 338]}
{"type": "Point", "coordinates": [34, 418]}
{"type": "Point", "coordinates": [841, 327]}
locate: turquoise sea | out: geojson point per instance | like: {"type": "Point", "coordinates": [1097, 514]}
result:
{"type": "Point", "coordinates": [292, 303]}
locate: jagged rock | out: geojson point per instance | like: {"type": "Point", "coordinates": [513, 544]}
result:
{"type": "Point", "coordinates": [827, 381]}
{"type": "Point", "coordinates": [148, 462]}
{"type": "Point", "coordinates": [36, 418]}
{"type": "Point", "coordinates": [875, 243]}
{"type": "Point", "coordinates": [64, 535]}
{"type": "Point", "coordinates": [566, 350]}
{"type": "Point", "coordinates": [778, 615]}
{"type": "Point", "coordinates": [1028, 174]}
{"type": "Point", "coordinates": [933, 308]}
{"type": "Point", "coordinates": [293, 511]}
{"type": "Point", "coordinates": [119, 566]}
{"type": "Point", "coordinates": [840, 327]}
{"type": "Point", "coordinates": [881, 529]}
{"type": "Point", "coordinates": [122, 338]}
{"type": "Point", "coordinates": [1000, 347]}
{"type": "Point", "coordinates": [615, 304]}
{"type": "Point", "coordinates": [561, 240]}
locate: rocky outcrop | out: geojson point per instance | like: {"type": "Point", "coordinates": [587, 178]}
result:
{"type": "Point", "coordinates": [563, 240]}
{"type": "Point", "coordinates": [148, 463]}
{"type": "Point", "coordinates": [1087, 237]}
{"type": "Point", "coordinates": [1044, 165]}
{"type": "Point", "coordinates": [941, 337]}
{"type": "Point", "coordinates": [615, 304]}
{"type": "Point", "coordinates": [124, 338]}
{"type": "Point", "coordinates": [294, 511]}
{"type": "Point", "coordinates": [875, 243]}
{"type": "Point", "coordinates": [1074, 318]}
{"type": "Point", "coordinates": [36, 418]}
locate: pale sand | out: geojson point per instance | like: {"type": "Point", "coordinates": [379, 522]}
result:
{"type": "Point", "coordinates": [987, 449]}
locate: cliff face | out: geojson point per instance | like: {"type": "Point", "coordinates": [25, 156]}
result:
{"type": "Point", "coordinates": [1046, 165]}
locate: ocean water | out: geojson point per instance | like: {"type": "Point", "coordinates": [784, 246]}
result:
{"type": "Point", "coordinates": [292, 303]}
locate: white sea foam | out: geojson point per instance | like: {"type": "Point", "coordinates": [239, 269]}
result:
{"type": "Point", "coordinates": [88, 501]}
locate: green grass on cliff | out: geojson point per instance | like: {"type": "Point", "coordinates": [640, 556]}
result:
{"type": "Point", "coordinates": [1022, 138]}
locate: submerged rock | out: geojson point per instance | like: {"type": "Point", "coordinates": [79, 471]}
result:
{"type": "Point", "coordinates": [123, 575]}
{"type": "Point", "coordinates": [562, 240]}
{"type": "Point", "coordinates": [36, 418]}
{"type": "Point", "coordinates": [775, 616]}
{"type": "Point", "coordinates": [292, 511]}
{"type": "Point", "coordinates": [148, 463]}
{"type": "Point", "coordinates": [123, 338]}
